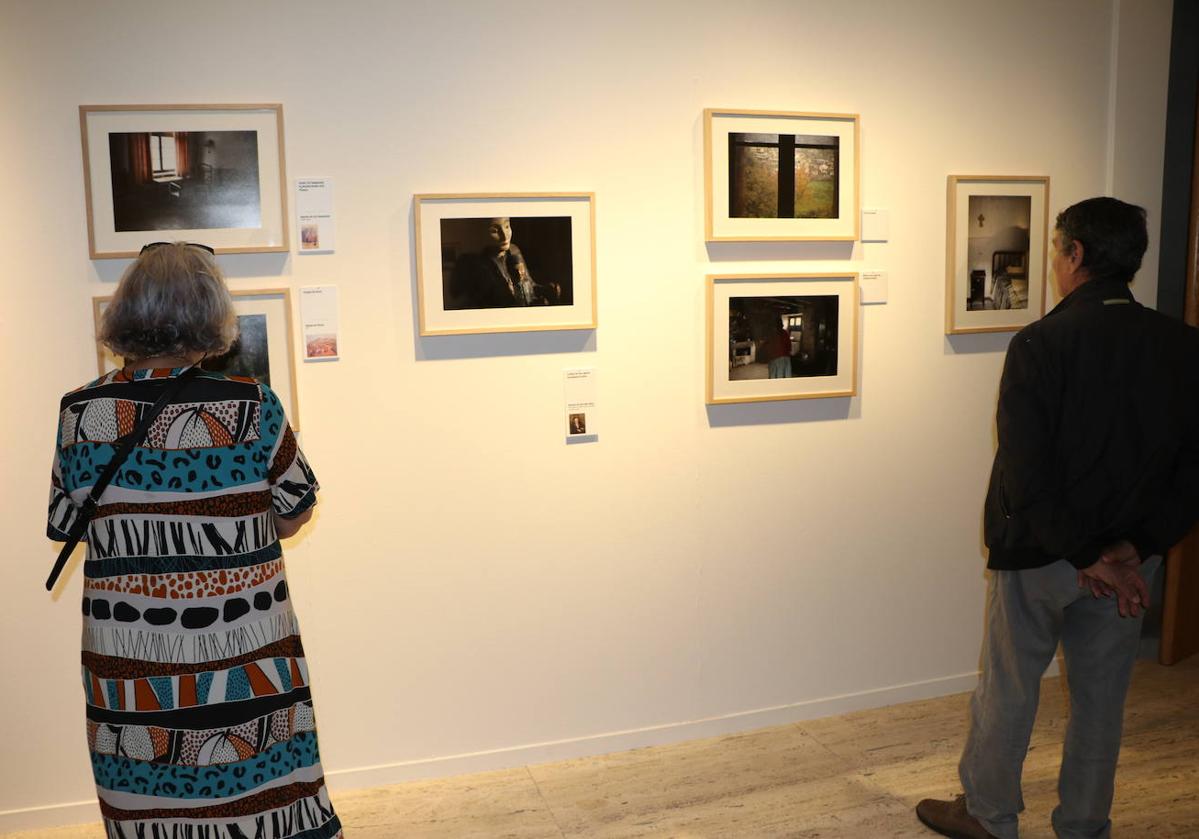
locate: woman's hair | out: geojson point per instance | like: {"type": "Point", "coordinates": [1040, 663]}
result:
{"type": "Point", "coordinates": [172, 300]}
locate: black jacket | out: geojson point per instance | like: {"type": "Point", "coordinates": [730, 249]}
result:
{"type": "Point", "coordinates": [1098, 433]}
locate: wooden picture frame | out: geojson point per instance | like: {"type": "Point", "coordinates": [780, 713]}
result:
{"type": "Point", "coordinates": [807, 323]}
{"type": "Point", "coordinates": [996, 252]}
{"type": "Point", "coordinates": [212, 174]}
{"type": "Point", "coordinates": [541, 278]}
{"type": "Point", "coordinates": [750, 197]}
{"type": "Point", "coordinates": [263, 313]}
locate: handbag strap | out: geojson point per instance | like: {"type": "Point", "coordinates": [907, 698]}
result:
{"type": "Point", "coordinates": [79, 527]}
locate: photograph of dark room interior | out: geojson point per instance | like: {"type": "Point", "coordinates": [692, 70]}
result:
{"type": "Point", "coordinates": [783, 176]}
{"type": "Point", "coordinates": [494, 263]}
{"type": "Point", "coordinates": [250, 355]}
{"type": "Point", "coordinates": [997, 252]}
{"type": "Point", "coordinates": [782, 337]}
{"type": "Point", "coordinates": [185, 180]}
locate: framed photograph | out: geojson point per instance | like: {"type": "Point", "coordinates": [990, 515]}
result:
{"type": "Point", "coordinates": [781, 336]}
{"type": "Point", "coordinates": [781, 176]}
{"type": "Point", "coordinates": [505, 263]}
{"type": "Point", "coordinates": [996, 252]}
{"type": "Point", "coordinates": [263, 351]}
{"type": "Point", "coordinates": [212, 174]}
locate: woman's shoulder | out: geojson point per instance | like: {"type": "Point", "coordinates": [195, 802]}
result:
{"type": "Point", "coordinates": [226, 408]}
{"type": "Point", "coordinates": [89, 388]}
{"type": "Point", "coordinates": [207, 385]}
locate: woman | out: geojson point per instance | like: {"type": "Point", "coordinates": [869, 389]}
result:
{"type": "Point", "coordinates": [199, 715]}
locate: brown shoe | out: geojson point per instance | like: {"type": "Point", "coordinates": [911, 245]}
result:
{"type": "Point", "coordinates": [950, 818]}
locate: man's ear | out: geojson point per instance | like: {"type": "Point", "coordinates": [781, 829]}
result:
{"type": "Point", "coordinates": [1076, 254]}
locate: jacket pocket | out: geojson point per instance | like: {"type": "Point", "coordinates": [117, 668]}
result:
{"type": "Point", "coordinates": [1001, 496]}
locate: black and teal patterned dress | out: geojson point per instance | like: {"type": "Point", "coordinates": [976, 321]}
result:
{"type": "Point", "coordinates": [199, 712]}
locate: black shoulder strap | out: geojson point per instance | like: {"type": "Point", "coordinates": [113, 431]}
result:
{"type": "Point", "coordinates": [126, 446]}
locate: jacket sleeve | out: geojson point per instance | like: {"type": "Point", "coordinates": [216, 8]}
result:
{"type": "Point", "coordinates": [293, 483]}
{"type": "Point", "coordinates": [1178, 503]}
{"type": "Point", "coordinates": [1177, 513]}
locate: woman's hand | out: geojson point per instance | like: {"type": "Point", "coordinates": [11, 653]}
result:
{"type": "Point", "coordinates": [289, 527]}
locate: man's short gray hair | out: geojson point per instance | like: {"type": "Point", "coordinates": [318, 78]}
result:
{"type": "Point", "coordinates": [172, 300]}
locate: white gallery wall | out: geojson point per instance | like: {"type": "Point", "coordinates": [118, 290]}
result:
{"type": "Point", "coordinates": [475, 593]}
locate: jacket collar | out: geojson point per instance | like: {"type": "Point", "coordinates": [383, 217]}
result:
{"type": "Point", "coordinates": [145, 374]}
{"type": "Point", "coordinates": [1095, 291]}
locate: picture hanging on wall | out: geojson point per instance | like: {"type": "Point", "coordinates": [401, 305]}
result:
{"type": "Point", "coordinates": [997, 235]}
{"type": "Point", "coordinates": [782, 176]}
{"type": "Point", "coordinates": [505, 262]}
{"type": "Point", "coordinates": [197, 173]}
{"type": "Point", "coordinates": [781, 336]}
{"type": "Point", "coordinates": [263, 350]}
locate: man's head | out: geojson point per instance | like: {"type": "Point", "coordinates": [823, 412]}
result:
{"type": "Point", "coordinates": [499, 231]}
{"type": "Point", "coordinates": [1098, 239]}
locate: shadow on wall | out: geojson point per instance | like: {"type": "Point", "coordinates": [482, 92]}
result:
{"type": "Point", "coordinates": [971, 343]}
{"type": "Point", "coordinates": [783, 412]}
{"type": "Point", "coordinates": [268, 267]}
{"type": "Point", "coordinates": [774, 251]}
{"type": "Point", "coordinates": [494, 344]}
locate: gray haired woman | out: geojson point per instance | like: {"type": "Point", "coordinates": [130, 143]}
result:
{"type": "Point", "coordinates": [199, 710]}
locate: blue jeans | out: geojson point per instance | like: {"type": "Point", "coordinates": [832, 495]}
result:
{"type": "Point", "coordinates": [1028, 613]}
{"type": "Point", "coordinates": [780, 368]}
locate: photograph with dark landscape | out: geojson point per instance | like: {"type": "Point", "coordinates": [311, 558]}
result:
{"type": "Point", "coordinates": [250, 353]}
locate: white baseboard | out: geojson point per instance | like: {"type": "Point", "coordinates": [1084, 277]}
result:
{"type": "Point", "coordinates": [51, 815]}
{"type": "Point", "coordinates": [81, 812]}
{"type": "Point", "coordinates": [367, 777]}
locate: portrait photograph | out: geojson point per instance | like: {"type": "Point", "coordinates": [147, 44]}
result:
{"type": "Point", "coordinates": [210, 174]}
{"type": "Point", "coordinates": [996, 252]}
{"type": "Point", "coordinates": [263, 350]}
{"type": "Point", "coordinates": [492, 263]}
{"type": "Point", "coordinates": [773, 337]}
{"type": "Point", "coordinates": [780, 176]}
{"type": "Point", "coordinates": [505, 263]}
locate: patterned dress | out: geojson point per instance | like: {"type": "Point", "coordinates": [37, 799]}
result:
{"type": "Point", "coordinates": [199, 714]}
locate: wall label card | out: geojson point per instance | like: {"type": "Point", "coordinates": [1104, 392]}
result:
{"type": "Point", "coordinates": [876, 225]}
{"type": "Point", "coordinates": [319, 319]}
{"type": "Point", "coordinates": [314, 214]}
{"type": "Point", "coordinates": [581, 395]}
{"type": "Point", "coordinates": [873, 287]}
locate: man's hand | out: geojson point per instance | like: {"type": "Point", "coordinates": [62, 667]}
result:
{"type": "Point", "coordinates": [1116, 573]}
{"type": "Point", "coordinates": [1120, 553]}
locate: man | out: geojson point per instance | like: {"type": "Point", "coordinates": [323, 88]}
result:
{"type": "Point", "coordinates": [1096, 476]}
{"type": "Point", "coordinates": [498, 276]}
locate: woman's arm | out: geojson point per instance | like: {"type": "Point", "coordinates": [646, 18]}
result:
{"type": "Point", "coordinates": [289, 527]}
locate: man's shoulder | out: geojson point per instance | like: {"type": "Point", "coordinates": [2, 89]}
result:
{"type": "Point", "coordinates": [1166, 323]}
{"type": "Point", "coordinates": [1029, 336]}
{"type": "Point", "coordinates": [1119, 320]}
